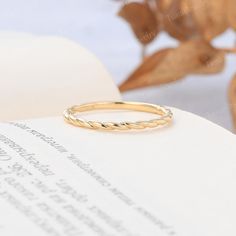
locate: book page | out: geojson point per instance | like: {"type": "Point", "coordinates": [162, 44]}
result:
{"type": "Point", "coordinates": [41, 76]}
{"type": "Point", "coordinates": [56, 179]}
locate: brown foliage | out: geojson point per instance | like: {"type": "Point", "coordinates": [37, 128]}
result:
{"type": "Point", "coordinates": [210, 17]}
{"type": "Point", "coordinates": [231, 13]}
{"type": "Point", "coordinates": [142, 21]}
{"type": "Point", "coordinates": [179, 21]}
{"type": "Point", "coordinates": [168, 65]}
{"type": "Point", "coordinates": [194, 23]}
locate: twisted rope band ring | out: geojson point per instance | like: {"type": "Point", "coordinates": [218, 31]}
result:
{"type": "Point", "coordinates": [164, 115]}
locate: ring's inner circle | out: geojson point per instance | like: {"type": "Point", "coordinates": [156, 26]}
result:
{"type": "Point", "coordinates": [141, 107]}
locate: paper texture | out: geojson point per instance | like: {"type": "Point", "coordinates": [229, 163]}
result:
{"type": "Point", "coordinates": [60, 180]}
{"type": "Point", "coordinates": [42, 76]}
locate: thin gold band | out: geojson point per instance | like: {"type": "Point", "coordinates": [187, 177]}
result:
{"type": "Point", "coordinates": [164, 115]}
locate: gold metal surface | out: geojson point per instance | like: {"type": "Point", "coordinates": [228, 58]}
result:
{"type": "Point", "coordinates": [164, 115]}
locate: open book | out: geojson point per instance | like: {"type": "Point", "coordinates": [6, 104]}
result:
{"type": "Point", "coordinates": [56, 179]}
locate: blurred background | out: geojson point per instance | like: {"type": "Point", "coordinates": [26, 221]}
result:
{"type": "Point", "coordinates": [96, 26]}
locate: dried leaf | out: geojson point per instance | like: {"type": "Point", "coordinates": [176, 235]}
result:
{"type": "Point", "coordinates": [164, 4]}
{"type": "Point", "coordinates": [140, 77]}
{"type": "Point", "coordinates": [168, 65]}
{"type": "Point", "coordinates": [142, 21]}
{"type": "Point", "coordinates": [210, 16]}
{"type": "Point", "coordinates": [232, 99]}
{"type": "Point", "coordinates": [178, 20]}
{"type": "Point", "coordinates": [231, 13]}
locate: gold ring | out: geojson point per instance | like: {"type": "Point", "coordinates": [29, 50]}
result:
{"type": "Point", "coordinates": [164, 115]}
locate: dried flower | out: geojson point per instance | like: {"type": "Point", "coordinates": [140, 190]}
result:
{"type": "Point", "coordinates": [194, 23]}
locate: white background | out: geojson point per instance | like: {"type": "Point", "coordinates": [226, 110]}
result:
{"type": "Point", "coordinates": [94, 24]}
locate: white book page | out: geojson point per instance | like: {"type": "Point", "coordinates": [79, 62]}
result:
{"type": "Point", "coordinates": [41, 76]}
{"type": "Point", "coordinates": [56, 179]}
